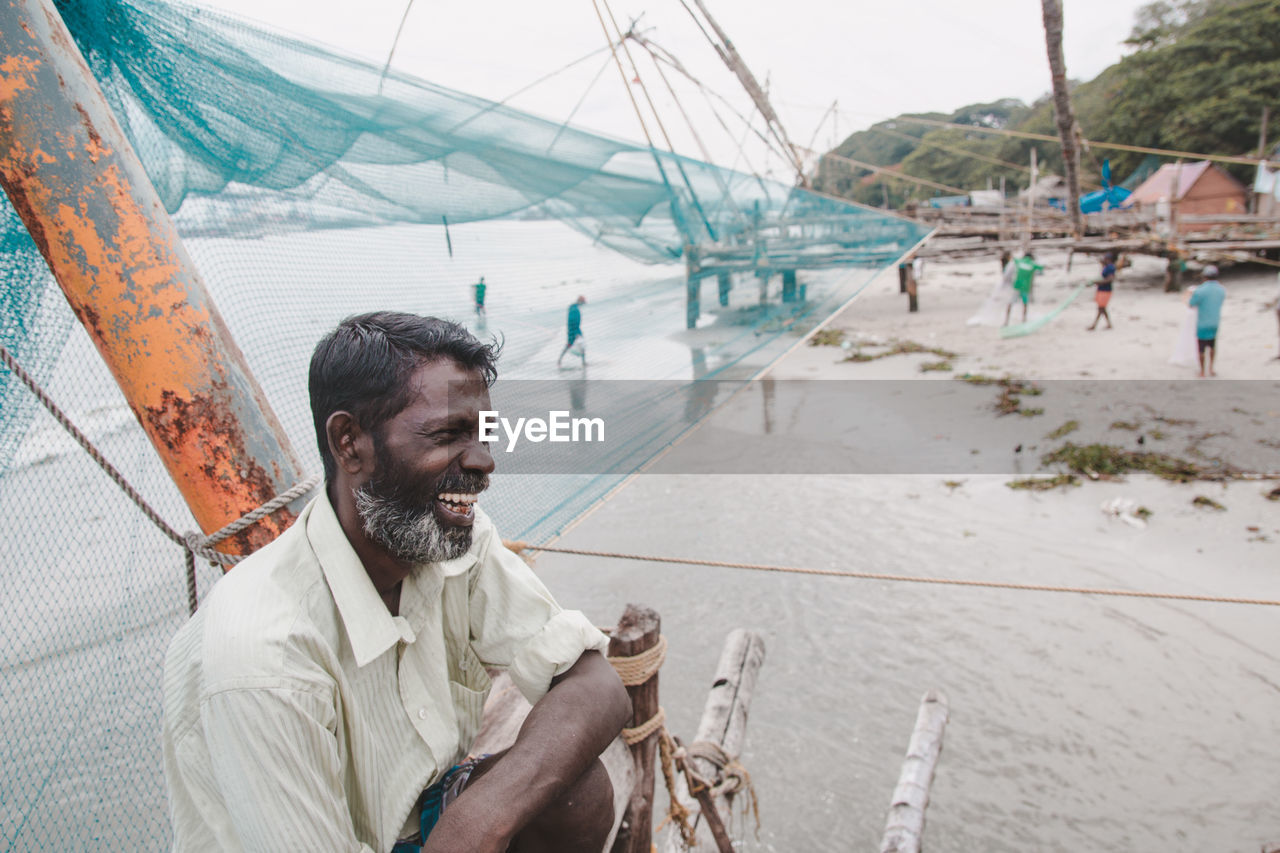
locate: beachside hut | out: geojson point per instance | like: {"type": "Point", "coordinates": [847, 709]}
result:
{"type": "Point", "coordinates": [1202, 188]}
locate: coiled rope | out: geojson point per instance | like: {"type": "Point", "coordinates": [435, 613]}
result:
{"type": "Point", "coordinates": [193, 543]}
{"type": "Point", "coordinates": [881, 576]}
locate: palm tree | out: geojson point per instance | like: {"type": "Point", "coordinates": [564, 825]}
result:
{"type": "Point", "coordinates": [1068, 131]}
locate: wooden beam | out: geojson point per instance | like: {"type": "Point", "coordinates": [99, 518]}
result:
{"type": "Point", "coordinates": [724, 723]}
{"type": "Point", "coordinates": [905, 823]}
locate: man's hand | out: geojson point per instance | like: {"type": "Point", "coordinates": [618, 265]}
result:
{"type": "Point", "coordinates": [556, 749]}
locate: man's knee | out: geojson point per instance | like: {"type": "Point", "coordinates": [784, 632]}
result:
{"type": "Point", "coordinates": [579, 819]}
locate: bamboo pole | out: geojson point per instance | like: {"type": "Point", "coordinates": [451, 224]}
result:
{"type": "Point", "coordinates": [1173, 271]}
{"type": "Point", "coordinates": [905, 823]}
{"type": "Point", "coordinates": [1262, 153]}
{"type": "Point", "coordinates": [1000, 228]}
{"type": "Point", "coordinates": [723, 723]}
{"type": "Point", "coordinates": [638, 631]}
{"type": "Point", "coordinates": [730, 56]}
{"type": "Point", "coordinates": [95, 216]}
{"type": "Point", "coordinates": [1031, 204]}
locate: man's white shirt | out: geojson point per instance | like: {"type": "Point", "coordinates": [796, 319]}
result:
{"type": "Point", "coordinates": [299, 714]}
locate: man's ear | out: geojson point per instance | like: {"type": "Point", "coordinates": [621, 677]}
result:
{"type": "Point", "coordinates": [351, 446]}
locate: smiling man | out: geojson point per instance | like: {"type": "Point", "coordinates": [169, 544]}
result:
{"type": "Point", "coordinates": [327, 692]}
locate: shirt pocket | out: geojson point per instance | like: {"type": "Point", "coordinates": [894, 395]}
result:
{"type": "Point", "coordinates": [468, 689]}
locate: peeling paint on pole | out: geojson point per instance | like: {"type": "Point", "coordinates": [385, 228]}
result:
{"type": "Point", "coordinates": [91, 209]}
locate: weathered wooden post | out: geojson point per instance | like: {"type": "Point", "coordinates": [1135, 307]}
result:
{"type": "Point", "coordinates": [76, 182]}
{"type": "Point", "coordinates": [913, 304]}
{"type": "Point", "coordinates": [1173, 273]}
{"type": "Point", "coordinates": [721, 733]}
{"type": "Point", "coordinates": [693, 287]}
{"type": "Point", "coordinates": [725, 283]}
{"type": "Point", "coordinates": [788, 285]}
{"type": "Point", "coordinates": [1029, 232]}
{"type": "Point", "coordinates": [1000, 227]}
{"type": "Point", "coordinates": [638, 636]}
{"type": "Point", "coordinates": [902, 276]}
{"type": "Point", "coordinates": [905, 824]}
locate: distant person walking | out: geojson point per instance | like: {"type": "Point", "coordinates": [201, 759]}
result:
{"type": "Point", "coordinates": [1025, 269]}
{"type": "Point", "coordinates": [1207, 299]}
{"type": "Point", "coordinates": [1103, 295]}
{"type": "Point", "coordinates": [575, 332]}
{"type": "Point", "coordinates": [480, 288]}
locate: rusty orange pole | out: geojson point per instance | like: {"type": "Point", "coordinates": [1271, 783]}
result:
{"type": "Point", "coordinates": [84, 196]}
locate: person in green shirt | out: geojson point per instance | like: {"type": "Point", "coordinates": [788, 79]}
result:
{"type": "Point", "coordinates": [480, 288]}
{"type": "Point", "coordinates": [1025, 269]}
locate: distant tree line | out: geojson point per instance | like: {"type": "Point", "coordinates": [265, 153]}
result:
{"type": "Point", "coordinates": [1199, 76]}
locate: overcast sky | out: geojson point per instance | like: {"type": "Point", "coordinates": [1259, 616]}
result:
{"type": "Point", "coordinates": [876, 59]}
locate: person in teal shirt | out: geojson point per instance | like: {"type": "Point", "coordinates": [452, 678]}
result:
{"type": "Point", "coordinates": [1025, 269]}
{"type": "Point", "coordinates": [1207, 300]}
{"type": "Point", "coordinates": [575, 332]}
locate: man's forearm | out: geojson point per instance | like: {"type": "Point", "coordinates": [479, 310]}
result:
{"type": "Point", "coordinates": [564, 732]}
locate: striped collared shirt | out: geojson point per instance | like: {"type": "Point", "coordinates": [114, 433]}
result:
{"type": "Point", "coordinates": [299, 714]}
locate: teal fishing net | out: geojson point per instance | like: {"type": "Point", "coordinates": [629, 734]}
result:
{"type": "Point", "coordinates": [307, 187]}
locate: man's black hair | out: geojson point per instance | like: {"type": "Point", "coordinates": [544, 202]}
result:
{"type": "Point", "coordinates": [364, 366]}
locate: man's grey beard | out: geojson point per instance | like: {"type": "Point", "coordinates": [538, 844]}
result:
{"type": "Point", "coordinates": [412, 534]}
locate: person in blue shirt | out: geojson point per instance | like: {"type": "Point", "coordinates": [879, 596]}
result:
{"type": "Point", "coordinates": [1207, 300]}
{"type": "Point", "coordinates": [1103, 295]}
{"type": "Point", "coordinates": [575, 331]}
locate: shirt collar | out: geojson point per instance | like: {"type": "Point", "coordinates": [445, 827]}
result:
{"type": "Point", "coordinates": [371, 629]}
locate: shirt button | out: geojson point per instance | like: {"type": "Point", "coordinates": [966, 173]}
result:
{"type": "Point", "coordinates": [422, 713]}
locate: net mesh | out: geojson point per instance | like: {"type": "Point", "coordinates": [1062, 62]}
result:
{"type": "Point", "coordinates": [308, 187]}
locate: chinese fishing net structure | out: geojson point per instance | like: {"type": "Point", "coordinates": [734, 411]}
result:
{"type": "Point", "coordinates": [309, 186]}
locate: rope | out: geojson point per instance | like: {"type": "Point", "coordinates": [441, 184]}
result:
{"type": "Point", "coordinates": [803, 570]}
{"type": "Point", "coordinates": [734, 777]}
{"type": "Point", "coordinates": [202, 546]}
{"type": "Point", "coordinates": [194, 544]}
{"type": "Point", "coordinates": [731, 778]}
{"type": "Point", "coordinates": [665, 56]}
{"type": "Point", "coordinates": [654, 724]}
{"type": "Point", "coordinates": [676, 812]}
{"type": "Point", "coordinates": [706, 155]}
{"type": "Point", "coordinates": [637, 669]}
{"type": "Point", "coordinates": [521, 91]}
{"type": "Point", "coordinates": [573, 112]}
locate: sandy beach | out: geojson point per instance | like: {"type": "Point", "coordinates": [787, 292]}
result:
{"type": "Point", "coordinates": [1147, 321]}
{"type": "Point", "coordinates": [1079, 722]}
